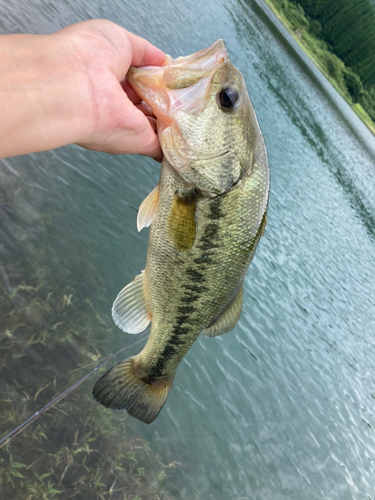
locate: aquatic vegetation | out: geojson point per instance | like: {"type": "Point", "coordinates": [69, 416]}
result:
{"type": "Point", "coordinates": [51, 333]}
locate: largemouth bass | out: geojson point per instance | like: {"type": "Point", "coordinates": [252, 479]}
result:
{"type": "Point", "coordinates": [207, 215]}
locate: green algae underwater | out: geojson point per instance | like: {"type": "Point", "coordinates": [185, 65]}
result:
{"type": "Point", "coordinates": [73, 450]}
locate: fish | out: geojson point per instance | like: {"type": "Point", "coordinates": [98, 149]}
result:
{"type": "Point", "coordinates": [206, 217]}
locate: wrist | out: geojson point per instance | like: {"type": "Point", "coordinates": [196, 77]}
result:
{"type": "Point", "coordinates": [43, 95]}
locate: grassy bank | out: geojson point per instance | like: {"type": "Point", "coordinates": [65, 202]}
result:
{"type": "Point", "coordinates": [306, 33]}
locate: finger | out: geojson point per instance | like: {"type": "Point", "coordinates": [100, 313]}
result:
{"type": "Point", "coordinates": [146, 142]}
{"type": "Point", "coordinates": [136, 99]}
{"type": "Point", "coordinates": [130, 92]}
{"type": "Point", "coordinates": [150, 146]}
{"type": "Point", "coordinates": [139, 133]}
{"type": "Point", "coordinates": [144, 53]}
{"type": "Point", "coordinates": [146, 110]}
{"type": "Point", "coordinates": [156, 154]}
{"type": "Point", "coordinates": [126, 49]}
{"type": "Point", "coordinates": [153, 123]}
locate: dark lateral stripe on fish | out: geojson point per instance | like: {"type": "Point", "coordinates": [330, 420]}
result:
{"type": "Point", "coordinates": [204, 260]}
{"type": "Point", "coordinates": [157, 371]}
{"type": "Point", "coordinates": [215, 208]}
{"type": "Point", "coordinates": [190, 298]}
{"type": "Point", "coordinates": [207, 240]}
{"type": "Point", "coordinates": [170, 350]}
{"type": "Point", "coordinates": [185, 309]}
{"type": "Point", "coordinates": [207, 243]}
{"type": "Point", "coordinates": [210, 237]}
{"type": "Point", "coordinates": [182, 319]}
{"type": "Point", "coordinates": [195, 288]}
{"type": "Point", "coordinates": [177, 331]}
{"type": "Point", "coordinates": [195, 275]}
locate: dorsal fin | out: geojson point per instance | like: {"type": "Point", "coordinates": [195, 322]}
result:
{"type": "Point", "coordinates": [181, 220]}
{"type": "Point", "coordinates": [229, 319]}
{"type": "Point", "coordinates": [147, 209]}
{"type": "Point", "coordinates": [129, 310]}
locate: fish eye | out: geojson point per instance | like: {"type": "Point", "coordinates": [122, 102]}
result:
{"type": "Point", "coordinates": [229, 98]}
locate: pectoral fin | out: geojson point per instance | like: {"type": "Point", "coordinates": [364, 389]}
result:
{"type": "Point", "coordinates": [228, 319]}
{"type": "Point", "coordinates": [181, 221]}
{"type": "Point", "coordinates": [147, 209]}
{"type": "Point", "coordinates": [129, 310]}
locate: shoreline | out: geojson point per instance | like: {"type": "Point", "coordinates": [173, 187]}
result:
{"type": "Point", "coordinates": [356, 107]}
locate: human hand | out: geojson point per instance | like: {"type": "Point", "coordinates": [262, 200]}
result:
{"type": "Point", "coordinates": [117, 119]}
{"type": "Point", "coordinates": [69, 87]}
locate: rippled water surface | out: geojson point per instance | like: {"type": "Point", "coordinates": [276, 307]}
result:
{"type": "Point", "coordinates": [280, 408]}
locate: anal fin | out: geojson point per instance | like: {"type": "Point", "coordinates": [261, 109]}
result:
{"type": "Point", "coordinates": [129, 310]}
{"type": "Point", "coordinates": [147, 209]}
{"type": "Point", "coordinates": [228, 320]}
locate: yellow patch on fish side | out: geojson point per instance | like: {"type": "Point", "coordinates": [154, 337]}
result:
{"type": "Point", "coordinates": [181, 221]}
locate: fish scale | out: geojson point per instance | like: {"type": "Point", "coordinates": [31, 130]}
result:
{"type": "Point", "coordinates": [208, 265]}
{"type": "Point", "coordinates": [207, 216]}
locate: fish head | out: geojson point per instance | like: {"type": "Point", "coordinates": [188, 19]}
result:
{"type": "Point", "coordinates": [206, 123]}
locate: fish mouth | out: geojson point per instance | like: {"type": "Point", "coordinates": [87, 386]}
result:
{"type": "Point", "coordinates": [182, 84]}
{"type": "Point", "coordinates": [180, 90]}
{"type": "Point", "coordinates": [207, 60]}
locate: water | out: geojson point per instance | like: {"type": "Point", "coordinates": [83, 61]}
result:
{"type": "Point", "coordinates": [282, 407]}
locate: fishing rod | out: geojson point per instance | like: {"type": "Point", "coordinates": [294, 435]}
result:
{"type": "Point", "coordinates": [17, 430]}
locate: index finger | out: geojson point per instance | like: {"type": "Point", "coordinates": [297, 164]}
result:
{"type": "Point", "coordinates": [144, 53]}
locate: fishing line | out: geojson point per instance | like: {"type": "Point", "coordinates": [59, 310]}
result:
{"type": "Point", "coordinates": [13, 433]}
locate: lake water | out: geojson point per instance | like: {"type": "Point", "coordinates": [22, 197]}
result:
{"type": "Point", "coordinates": [280, 408]}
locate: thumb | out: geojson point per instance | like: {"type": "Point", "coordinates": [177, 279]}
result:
{"type": "Point", "coordinates": [152, 148]}
{"type": "Point", "coordinates": [144, 140]}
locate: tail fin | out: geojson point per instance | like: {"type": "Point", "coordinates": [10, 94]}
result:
{"type": "Point", "coordinates": [122, 388]}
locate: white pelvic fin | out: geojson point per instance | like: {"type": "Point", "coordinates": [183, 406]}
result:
{"type": "Point", "coordinates": [147, 209]}
{"type": "Point", "coordinates": [229, 319]}
{"type": "Point", "coordinates": [129, 310]}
